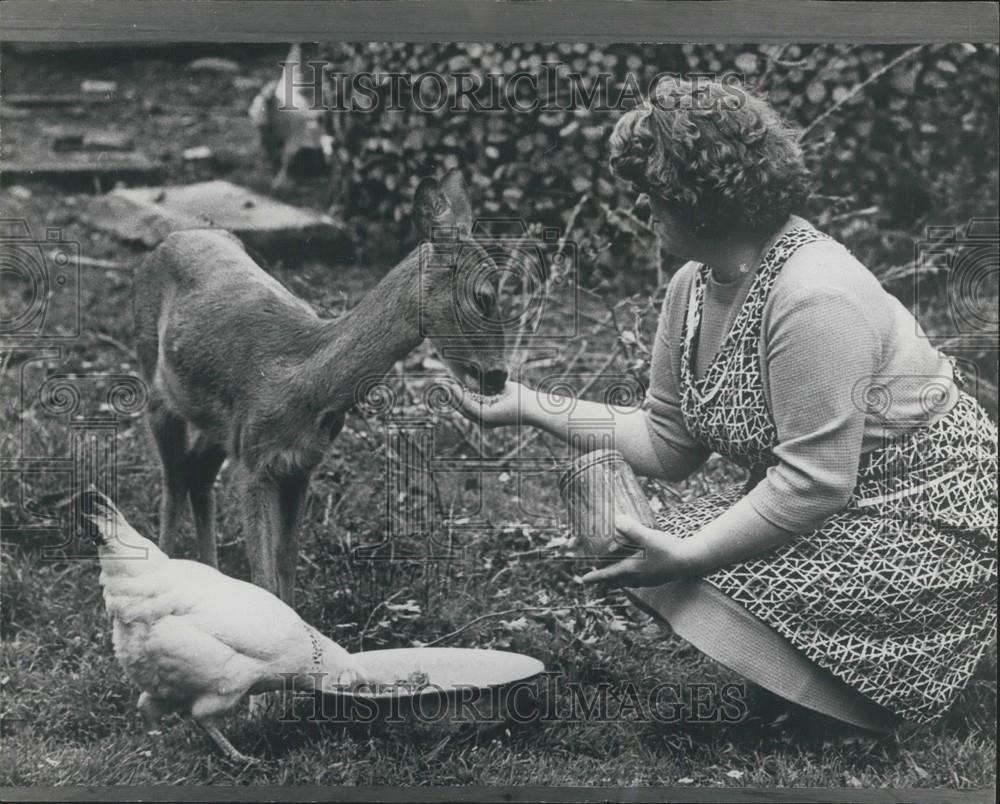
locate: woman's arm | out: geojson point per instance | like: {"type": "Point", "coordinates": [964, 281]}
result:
{"type": "Point", "coordinates": [573, 421]}
{"type": "Point", "coordinates": [627, 426]}
{"type": "Point", "coordinates": [654, 439]}
{"type": "Point", "coordinates": [821, 346]}
{"type": "Point", "coordinates": [737, 535]}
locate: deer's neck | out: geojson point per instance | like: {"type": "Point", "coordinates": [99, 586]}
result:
{"type": "Point", "coordinates": [367, 340]}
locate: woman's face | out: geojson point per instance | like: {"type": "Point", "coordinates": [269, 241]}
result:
{"type": "Point", "coordinates": [677, 238]}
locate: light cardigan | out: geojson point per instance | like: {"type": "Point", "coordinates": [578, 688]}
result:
{"type": "Point", "coordinates": [844, 367]}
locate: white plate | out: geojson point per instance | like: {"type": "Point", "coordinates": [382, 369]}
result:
{"type": "Point", "coordinates": [446, 669]}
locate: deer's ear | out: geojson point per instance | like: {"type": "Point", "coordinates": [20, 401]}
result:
{"type": "Point", "coordinates": [455, 190]}
{"type": "Point", "coordinates": [430, 208]}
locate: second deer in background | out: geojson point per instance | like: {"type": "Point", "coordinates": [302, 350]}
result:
{"type": "Point", "coordinates": [239, 366]}
{"type": "Point", "coordinates": [292, 124]}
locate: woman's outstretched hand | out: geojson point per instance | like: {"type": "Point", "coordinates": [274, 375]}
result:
{"type": "Point", "coordinates": [656, 561]}
{"type": "Point", "coordinates": [495, 411]}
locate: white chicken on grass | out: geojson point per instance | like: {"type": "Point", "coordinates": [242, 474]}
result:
{"type": "Point", "coordinates": [196, 641]}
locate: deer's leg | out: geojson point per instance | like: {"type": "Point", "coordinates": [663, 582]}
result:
{"type": "Point", "coordinates": [272, 508]}
{"type": "Point", "coordinates": [260, 502]}
{"type": "Point", "coordinates": [288, 151]}
{"type": "Point", "coordinates": [292, 497]}
{"type": "Point", "coordinates": [170, 434]}
{"type": "Point", "coordinates": [204, 460]}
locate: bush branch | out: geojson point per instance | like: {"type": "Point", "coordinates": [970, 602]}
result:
{"type": "Point", "coordinates": [857, 88]}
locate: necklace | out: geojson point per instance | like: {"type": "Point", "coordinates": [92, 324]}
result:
{"type": "Point", "coordinates": [744, 265]}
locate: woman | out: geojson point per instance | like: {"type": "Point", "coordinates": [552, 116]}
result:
{"type": "Point", "coordinates": [866, 535]}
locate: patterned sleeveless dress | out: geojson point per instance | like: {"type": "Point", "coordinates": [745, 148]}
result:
{"type": "Point", "coordinates": [896, 594]}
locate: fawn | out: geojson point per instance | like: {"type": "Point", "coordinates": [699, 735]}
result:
{"type": "Point", "coordinates": [292, 131]}
{"type": "Point", "coordinates": [255, 374]}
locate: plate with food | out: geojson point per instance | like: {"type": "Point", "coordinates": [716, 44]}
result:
{"type": "Point", "coordinates": [408, 672]}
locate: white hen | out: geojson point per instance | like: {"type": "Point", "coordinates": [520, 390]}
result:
{"type": "Point", "coordinates": [196, 641]}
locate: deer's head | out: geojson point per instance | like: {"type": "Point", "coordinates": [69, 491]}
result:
{"type": "Point", "coordinates": [458, 286]}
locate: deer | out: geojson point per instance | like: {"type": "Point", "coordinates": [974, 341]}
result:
{"type": "Point", "coordinates": [240, 368]}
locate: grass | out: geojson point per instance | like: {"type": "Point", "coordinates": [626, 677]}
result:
{"type": "Point", "coordinates": [69, 718]}
{"type": "Point", "coordinates": [67, 715]}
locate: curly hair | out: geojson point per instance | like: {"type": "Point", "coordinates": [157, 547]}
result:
{"type": "Point", "coordinates": [718, 156]}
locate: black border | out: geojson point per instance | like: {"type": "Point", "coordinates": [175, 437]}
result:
{"type": "Point", "coordinates": [494, 20]}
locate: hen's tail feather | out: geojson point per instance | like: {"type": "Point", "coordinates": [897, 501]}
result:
{"type": "Point", "coordinates": [97, 512]}
{"type": "Point", "coordinates": [105, 524]}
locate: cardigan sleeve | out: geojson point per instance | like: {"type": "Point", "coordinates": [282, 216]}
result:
{"type": "Point", "coordinates": [819, 343]}
{"type": "Point", "coordinates": [678, 452]}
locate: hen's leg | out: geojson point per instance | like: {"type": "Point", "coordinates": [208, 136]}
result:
{"type": "Point", "coordinates": [206, 712]}
{"type": "Point", "coordinates": [212, 730]}
{"type": "Point", "coordinates": [151, 709]}
{"type": "Point", "coordinates": [170, 433]}
{"type": "Point", "coordinates": [204, 461]}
